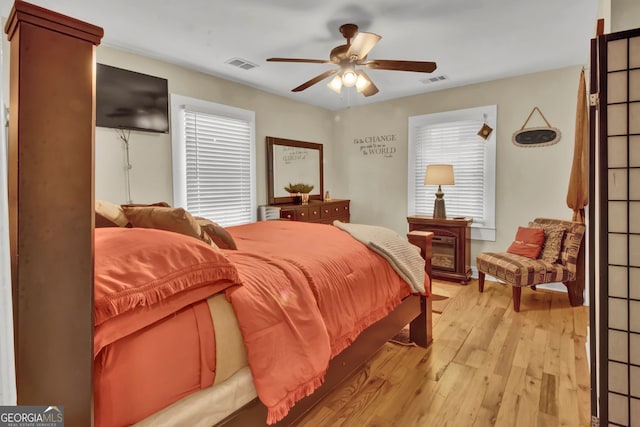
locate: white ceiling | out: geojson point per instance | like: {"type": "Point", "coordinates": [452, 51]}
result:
{"type": "Point", "coordinates": [471, 40]}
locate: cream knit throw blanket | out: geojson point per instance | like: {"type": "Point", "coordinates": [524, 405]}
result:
{"type": "Point", "coordinates": [403, 256]}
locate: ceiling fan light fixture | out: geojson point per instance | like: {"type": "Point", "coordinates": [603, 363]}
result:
{"type": "Point", "coordinates": [362, 82]}
{"type": "Point", "coordinates": [349, 77]}
{"type": "Point", "coordinates": [335, 84]}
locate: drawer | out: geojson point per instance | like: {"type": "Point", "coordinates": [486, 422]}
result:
{"type": "Point", "coordinates": [296, 214]}
{"type": "Point", "coordinates": [333, 210]}
{"type": "Point", "coordinates": [314, 213]}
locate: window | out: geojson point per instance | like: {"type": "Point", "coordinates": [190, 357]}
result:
{"type": "Point", "coordinates": [452, 138]}
{"type": "Point", "coordinates": [213, 160]}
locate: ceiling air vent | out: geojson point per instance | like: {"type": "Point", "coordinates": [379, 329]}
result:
{"type": "Point", "coordinates": [241, 63]}
{"type": "Point", "coordinates": [434, 79]}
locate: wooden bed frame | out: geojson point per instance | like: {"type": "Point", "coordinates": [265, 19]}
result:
{"type": "Point", "coordinates": [51, 199]}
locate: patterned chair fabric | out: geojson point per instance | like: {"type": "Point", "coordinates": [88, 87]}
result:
{"type": "Point", "coordinates": [517, 270]}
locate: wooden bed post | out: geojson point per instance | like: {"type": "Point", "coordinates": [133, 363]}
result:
{"type": "Point", "coordinates": [420, 329]}
{"type": "Point", "coordinates": [51, 150]}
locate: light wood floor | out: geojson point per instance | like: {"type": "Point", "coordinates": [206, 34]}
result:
{"type": "Point", "coordinates": [487, 366]}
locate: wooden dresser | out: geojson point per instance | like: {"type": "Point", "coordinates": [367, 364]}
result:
{"type": "Point", "coordinates": [451, 246]}
{"type": "Point", "coordinates": [316, 211]}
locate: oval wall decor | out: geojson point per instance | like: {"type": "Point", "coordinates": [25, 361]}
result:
{"type": "Point", "coordinates": [536, 137]}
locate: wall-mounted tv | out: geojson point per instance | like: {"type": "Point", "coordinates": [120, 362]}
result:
{"type": "Point", "coordinates": [129, 100]}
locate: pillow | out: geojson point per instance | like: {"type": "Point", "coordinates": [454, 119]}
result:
{"type": "Point", "coordinates": [144, 268]}
{"type": "Point", "coordinates": [169, 219]}
{"type": "Point", "coordinates": [102, 222]}
{"type": "Point", "coordinates": [161, 204]}
{"type": "Point", "coordinates": [109, 215]}
{"type": "Point", "coordinates": [528, 242]}
{"type": "Point", "coordinates": [553, 236]}
{"type": "Point", "coordinates": [218, 234]}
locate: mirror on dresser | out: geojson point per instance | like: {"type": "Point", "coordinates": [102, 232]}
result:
{"type": "Point", "coordinates": [291, 162]}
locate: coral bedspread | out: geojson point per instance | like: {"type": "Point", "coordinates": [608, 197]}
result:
{"type": "Point", "coordinates": [305, 293]}
{"type": "Point", "coordinates": [308, 291]}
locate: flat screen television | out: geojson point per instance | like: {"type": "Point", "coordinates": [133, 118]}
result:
{"type": "Point", "coordinates": [130, 100]}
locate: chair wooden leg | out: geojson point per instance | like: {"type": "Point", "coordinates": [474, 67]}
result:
{"type": "Point", "coordinates": [534, 287]}
{"type": "Point", "coordinates": [480, 281]}
{"type": "Point", "coordinates": [517, 291]}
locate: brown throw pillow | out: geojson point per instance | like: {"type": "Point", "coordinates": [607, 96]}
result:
{"type": "Point", "coordinates": [176, 220]}
{"type": "Point", "coordinates": [137, 205]}
{"type": "Point", "coordinates": [218, 234]}
{"type": "Point", "coordinates": [553, 237]}
{"type": "Point", "coordinates": [102, 222]}
{"type": "Point", "coordinates": [109, 215]}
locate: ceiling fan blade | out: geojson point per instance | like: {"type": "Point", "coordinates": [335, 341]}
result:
{"type": "Point", "coordinates": [362, 44]}
{"type": "Point", "coordinates": [385, 64]}
{"type": "Point", "coordinates": [371, 88]}
{"type": "Point", "coordinates": [314, 80]}
{"type": "Point", "coordinates": [309, 61]}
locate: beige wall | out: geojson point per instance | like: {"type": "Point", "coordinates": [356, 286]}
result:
{"type": "Point", "coordinates": [150, 153]}
{"type": "Point", "coordinates": [530, 182]}
{"type": "Point", "coordinates": [625, 15]}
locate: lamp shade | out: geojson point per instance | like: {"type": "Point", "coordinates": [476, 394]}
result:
{"type": "Point", "coordinates": [335, 84]}
{"type": "Point", "coordinates": [439, 175]}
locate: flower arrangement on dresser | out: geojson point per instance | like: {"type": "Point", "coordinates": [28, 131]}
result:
{"type": "Point", "coordinates": [300, 191]}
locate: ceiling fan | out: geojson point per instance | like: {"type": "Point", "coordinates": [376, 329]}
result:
{"type": "Point", "coordinates": [354, 53]}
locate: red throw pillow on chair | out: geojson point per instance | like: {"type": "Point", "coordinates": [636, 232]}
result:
{"type": "Point", "coordinates": [528, 242]}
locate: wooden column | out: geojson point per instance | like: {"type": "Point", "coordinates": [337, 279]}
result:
{"type": "Point", "coordinates": [51, 151]}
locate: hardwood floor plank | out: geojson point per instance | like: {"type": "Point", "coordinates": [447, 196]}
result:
{"type": "Point", "coordinates": [453, 385]}
{"type": "Point", "coordinates": [568, 386]}
{"type": "Point", "coordinates": [511, 398]}
{"type": "Point", "coordinates": [549, 395]}
{"type": "Point", "coordinates": [487, 366]}
{"type": "Point", "coordinates": [545, 420]}
{"type": "Point", "coordinates": [471, 398]}
{"type": "Point", "coordinates": [494, 395]}
{"type": "Point", "coordinates": [528, 405]}
{"type": "Point", "coordinates": [583, 378]}
{"type": "Point", "coordinates": [552, 354]}
{"type": "Point", "coordinates": [536, 356]}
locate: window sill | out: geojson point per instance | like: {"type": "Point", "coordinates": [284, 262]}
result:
{"type": "Point", "coordinates": [483, 233]}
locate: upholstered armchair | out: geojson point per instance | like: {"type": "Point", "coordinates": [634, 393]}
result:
{"type": "Point", "coordinates": [561, 259]}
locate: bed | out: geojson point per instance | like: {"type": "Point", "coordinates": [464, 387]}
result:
{"type": "Point", "coordinates": [52, 228]}
{"type": "Point", "coordinates": [187, 335]}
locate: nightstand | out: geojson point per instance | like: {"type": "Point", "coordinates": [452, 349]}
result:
{"type": "Point", "coordinates": [451, 246]}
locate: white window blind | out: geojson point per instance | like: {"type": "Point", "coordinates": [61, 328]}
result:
{"type": "Point", "coordinates": [455, 143]}
{"type": "Point", "coordinates": [451, 137]}
{"type": "Point", "coordinates": [214, 173]}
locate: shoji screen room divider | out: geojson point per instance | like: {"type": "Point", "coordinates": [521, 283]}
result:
{"type": "Point", "coordinates": [615, 218]}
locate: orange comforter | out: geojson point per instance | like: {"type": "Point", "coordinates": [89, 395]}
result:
{"type": "Point", "coordinates": [308, 291]}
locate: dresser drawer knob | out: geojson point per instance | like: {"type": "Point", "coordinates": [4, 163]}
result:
{"type": "Point", "coordinates": [301, 213]}
{"type": "Point", "coordinates": [337, 209]}
{"type": "Point", "coordinates": [346, 208]}
{"type": "Point", "coordinates": [326, 211]}
{"type": "Point", "coordinates": [315, 212]}
{"type": "Point", "coordinates": [288, 216]}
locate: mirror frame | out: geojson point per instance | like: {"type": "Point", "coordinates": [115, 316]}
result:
{"type": "Point", "coordinates": [271, 141]}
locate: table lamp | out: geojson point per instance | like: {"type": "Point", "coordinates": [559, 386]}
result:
{"type": "Point", "coordinates": [439, 175]}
